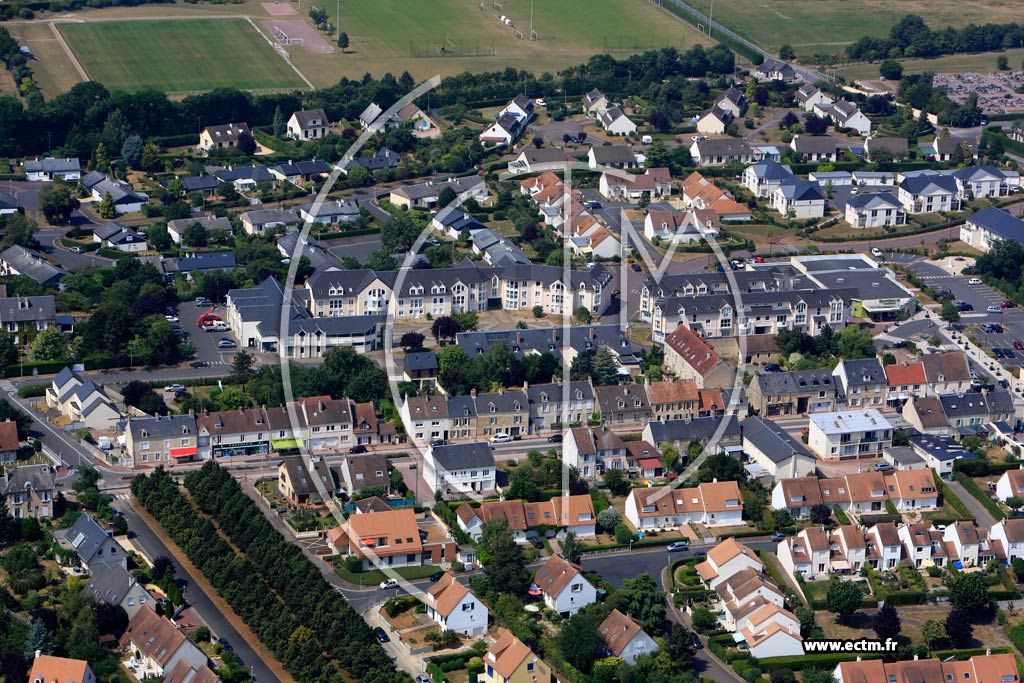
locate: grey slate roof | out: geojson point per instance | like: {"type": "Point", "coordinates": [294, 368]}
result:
{"type": "Point", "coordinates": [256, 174]}
{"type": "Point", "coordinates": [999, 222]}
{"type": "Point", "coordinates": [16, 309]}
{"type": "Point", "coordinates": [550, 340]}
{"type": "Point", "coordinates": [383, 158]}
{"type": "Point", "coordinates": [769, 169]}
{"type": "Point", "coordinates": [197, 182]}
{"type": "Point", "coordinates": [86, 537]}
{"type": "Point", "coordinates": [457, 219]}
{"type": "Point", "coordinates": [554, 392]}
{"type": "Point", "coordinates": [463, 456]}
{"type": "Point", "coordinates": [613, 154]}
{"type": "Point", "coordinates": [504, 402]}
{"type": "Point", "coordinates": [270, 216]}
{"type": "Point", "coordinates": [208, 223]}
{"type": "Point", "coordinates": [110, 584]}
{"type": "Point", "coordinates": [797, 382]}
{"type": "Point", "coordinates": [303, 168]}
{"type": "Point", "coordinates": [709, 303]}
{"type": "Point", "coordinates": [433, 189]}
{"type": "Point", "coordinates": [815, 144]}
{"type": "Point", "coordinates": [904, 455]}
{"type": "Point", "coordinates": [51, 165]}
{"type": "Point", "coordinates": [461, 406]}
{"type": "Point", "coordinates": [801, 190]}
{"type": "Point", "coordinates": [772, 440]}
{"type": "Point", "coordinates": [929, 184]}
{"type": "Point", "coordinates": [32, 264]}
{"type": "Point", "coordinates": [334, 207]}
{"type": "Point", "coordinates": [869, 284]}
{"type": "Point", "coordinates": [874, 200]}
{"type": "Point", "coordinates": [8, 201]}
{"type": "Point", "coordinates": [420, 360]}
{"type": "Point", "coordinates": [161, 427]}
{"type": "Point", "coordinates": [976, 403]}
{"type": "Point", "coordinates": [28, 477]}
{"type": "Point", "coordinates": [699, 429]}
{"type": "Point", "coordinates": [866, 371]}
{"type": "Point", "coordinates": [208, 260]}
{"type": "Point", "coordinates": [941, 448]}
{"type": "Point", "coordinates": [310, 118]}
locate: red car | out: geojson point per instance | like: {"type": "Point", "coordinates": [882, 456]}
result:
{"type": "Point", "coordinates": [1008, 304]}
{"type": "Point", "coordinates": [1019, 345]}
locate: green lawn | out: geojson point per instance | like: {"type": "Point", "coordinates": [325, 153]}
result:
{"type": "Point", "coordinates": [984, 62]}
{"type": "Point", "coordinates": [178, 55]}
{"type": "Point", "coordinates": [375, 576]}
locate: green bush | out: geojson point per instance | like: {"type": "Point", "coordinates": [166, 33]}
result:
{"type": "Point", "coordinates": [33, 390]}
{"type": "Point", "coordinates": [971, 652]}
{"type": "Point", "coordinates": [820, 660]}
{"type": "Point", "coordinates": [906, 598]}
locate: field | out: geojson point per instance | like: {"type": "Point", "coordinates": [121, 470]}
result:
{"type": "Point", "coordinates": [977, 63]}
{"type": "Point", "coordinates": [178, 55]}
{"type": "Point", "coordinates": [772, 23]}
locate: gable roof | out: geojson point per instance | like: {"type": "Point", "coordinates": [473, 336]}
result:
{"type": "Point", "coordinates": [555, 575]}
{"type": "Point", "coordinates": [310, 118]}
{"type": "Point", "coordinates": [904, 374]}
{"type": "Point", "coordinates": [50, 669]}
{"type": "Point", "coordinates": [950, 366]}
{"type": "Point", "coordinates": [32, 264]}
{"type": "Point", "coordinates": [772, 440]}
{"type": "Point", "coordinates": [618, 631]}
{"type": "Point", "coordinates": [999, 222]}
{"type": "Point", "coordinates": [86, 537]}
{"type": "Point", "coordinates": [446, 594]}
{"type": "Point", "coordinates": [507, 653]}
{"type": "Point", "coordinates": [463, 456]}
{"type": "Point", "coordinates": [154, 636]}
{"type": "Point", "coordinates": [929, 184]}
{"type": "Point", "coordinates": [25, 478]}
{"type": "Point", "coordinates": [694, 350]}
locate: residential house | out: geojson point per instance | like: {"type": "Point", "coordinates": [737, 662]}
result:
{"type": "Point", "coordinates": [722, 151]}
{"type": "Point", "coordinates": [831, 179]}
{"type": "Point", "coordinates": [904, 380]}
{"type": "Point", "coordinates": [849, 434]}
{"type": "Point", "coordinates": [454, 608]}
{"type": "Point", "coordinates": [299, 172]}
{"type": "Point", "coordinates": [44, 170]}
{"type": "Point", "coordinates": [733, 101]}
{"type": "Point", "coordinates": [8, 204]}
{"type": "Point", "coordinates": [509, 123]}
{"type": "Point", "coordinates": [460, 468]}
{"type": "Point", "coordinates": [306, 481]}
{"type": "Point", "coordinates": [884, 546]}
{"type": "Point", "coordinates": [119, 237]}
{"type": "Point", "coordinates": [593, 451]}
{"type": "Point", "coordinates": [765, 176]}
{"type": "Point", "coordinates": [862, 382]}
{"type": "Point", "coordinates": [969, 544]}
{"type": "Point", "coordinates": [532, 160]}
{"type": "Point", "coordinates": [554, 405]}
{"type": "Point", "coordinates": [986, 668]}
{"type": "Point", "coordinates": [680, 433]}
{"type": "Point", "coordinates": [624, 637]}
{"type": "Point", "coordinates": [676, 400]}
{"type": "Point", "coordinates": [94, 545]}
{"type": "Point", "coordinates": [715, 121]}
{"type": "Point", "coordinates": [773, 632]}
{"type": "Point", "coordinates": [688, 356]}
{"type": "Point", "coordinates": [623, 405]}
{"type": "Point", "coordinates": [451, 221]}
{"type": "Point", "coordinates": [382, 160]}
{"type": "Point", "coordinates": [126, 200]}
{"type": "Point", "coordinates": [203, 183]}
{"type": "Point", "coordinates": [82, 401]}
{"type": "Point", "coordinates": [615, 122]}
{"type": "Point", "coordinates": [223, 137]}
{"type": "Point", "coordinates": [946, 372]}
{"type": "Point", "coordinates": [743, 594]}
{"type": "Point", "coordinates": [984, 228]}
{"type": "Point", "coordinates": [798, 495]}
{"type": "Point", "coordinates": [114, 586]}
{"type": "Point", "coordinates": [426, 417]}
{"type": "Point", "coordinates": [50, 669]}
{"type": "Point", "coordinates": [799, 199]}
{"type": "Point", "coordinates": [945, 147]}
{"type": "Point", "coordinates": [895, 149]}
{"type": "Point", "coordinates": [512, 512]}
{"type": "Point", "coordinates": [671, 225]}
{"type": "Point", "coordinates": [332, 211]}
{"type": "Point", "coordinates": [160, 440]}
{"type": "Point", "coordinates": [509, 660]}
{"type": "Point", "coordinates": [425, 195]}
{"type": "Point", "coordinates": [420, 368]}
{"type": "Point", "coordinates": [389, 538]}
{"type": "Point", "coordinates": [912, 490]}
{"type": "Point", "coordinates": [233, 433]}
{"type": "Point", "coordinates": [968, 412]}
{"type": "Point", "coordinates": [874, 210]}
{"type": "Point", "coordinates": [246, 178]}
{"type": "Point", "coordinates": [22, 317]}
{"type": "Point", "coordinates": [563, 586]}
{"type": "Point", "coordinates": [774, 70]}
{"type": "Point", "coordinates": [1008, 536]}
{"type": "Point", "coordinates": [364, 473]}
{"type": "Point", "coordinates": [846, 115]}
{"type": "Point", "coordinates": [768, 445]}
{"type": "Point", "coordinates": [923, 544]}
{"type": "Point", "coordinates": [158, 646]}
{"type": "Point", "coordinates": [614, 156]}
{"type": "Point", "coordinates": [368, 428]}
{"type": "Point", "coordinates": [18, 260]}
{"type": "Point", "coordinates": [29, 491]}
{"type": "Point", "coordinates": [463, 415]}
{"type": "Point", "coordinates": [593, 102]}
{"type": "Point", "coordinates": [940, 453]}
{"type": "Point", "coordinates": [929, 194]}
{"type": "Point", "coordinates": [792, 393]}
{"type": "Point", "coordinates": [652, 184]}
{"type": "Point", "coordinates": [975, 182]}
{"type": "Point", "coordinates": [1011, 485]}
{"type": "Point", "coordinates": [308, 124]}
{"type": "Point", "coordinates": [904, 458]}
{"type": "Point", "coordinates": [815, 147]}
{"type": "Point", "coordinates": [662, 507]}
{"type": "Point", "coordinates": [178, 227]}
{"type": "Point", "coordinates": [644, 460]}
{"type": "Point", "coordinates": [725, 560]}
{"type": "Point", "coordinates": [504, 412]}
{"type": "Point", "coordinates": [574, 514]}
{"type": "Point", "coordinates": [809, 96]}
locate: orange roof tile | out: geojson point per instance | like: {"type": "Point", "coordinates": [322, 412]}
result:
{"type": "Point", "coordinates": [618, 630]}
{"type": "Point", "coordinates": [60, 669]}
{"type": "Point", "coordinates": [694, 351]}
{"type": "Point", "coordinates": [446, 594]}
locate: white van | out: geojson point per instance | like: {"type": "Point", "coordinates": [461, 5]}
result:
{"type": "Point", "coordinates": [217, 326]}
{"type": "Point", "coordinates": [647, 139]}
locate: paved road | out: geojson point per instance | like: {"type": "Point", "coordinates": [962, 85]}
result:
{"type": "Point", "coordinates": [49, 244]}
{"type": "Point", "coordinates": [72, 453]}
{"type": "Point", "coordinates": [984, 518]}
{"type": "Point", "coordinates": [152, 546]}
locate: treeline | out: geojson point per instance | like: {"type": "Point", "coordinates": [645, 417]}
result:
{"type": "Point", "coordinates": [71, 123]}
{"type": "Point", "coordinates": [911, 37]}
{"type": "Point", "coordinates": [26, 9]}
{"type": "Point", "coordinates": [279, 594]}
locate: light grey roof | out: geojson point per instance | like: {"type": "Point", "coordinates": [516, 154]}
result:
{"type": "Point", "coordinates": [332, 208]}
{"type": "Point", "coordinates": [904, 455]}
{"type": "Point", "coordinates": [51, 165]}
{"type": "Point", "coordinates": [613, 154]}
{"type": "Point", "coordinates": [463, 456]}
{"type": "Point", "coordinates": [14, 309]}
{"type": "Point", "coordinates": [369, 114]}
{"type": "Point", "coordinates": [724, 147]}
{"type": "Point", "coordinates": [870, 284]}
{"type": "Point", "coordinates": [433, 189]}
{"type": "Point", "coordinates": [32, 265]}
{"type": "Point", "coordinates": [772, 440]}
{"type": "Point", "coordinates": [797, 382]}
{"type": "Point", "coordinates": [269, 216]}
{"type": "Point", "coordinates": [110, 584]}
{"type": "Point", "coordinates": [29, 477]}
{"type": "Point", "coordinates": [697, 429]}
{"type": "Point", "coordinates": [161, 427]}
{"type": "Point", "coordinates": [815, 144]}
{"type": "Point", "coordinates": [310, 118]}
{"type": "Point", "coordinates": [120, 192]}
{"type": "Point", "coordinates": [709, 303]}
{"type": "Point", "coordinates": [8, 201]}
{"type": "Point", "coordinates": [208, 223]}
{"type": "Point", "coordinates": [118, 234]}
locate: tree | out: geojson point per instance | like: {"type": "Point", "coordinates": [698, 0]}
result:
{"type": "Point", "coordinates": [950, 313]}
{"type": "Point", "coordinates": [150, 160]}
{"type": "Point", "coordinates": [821, 513]}
{"type": "Point", "coordinates": [786, 53]}
{"type": "Point", "coordinates": [886, 622]}
{"type": "Point", "coordinates": [704, 619]}
{"type": "Point", "coordinates": [967, 592]}
{"type": "Point", "coordinates": [572, 551]}
{"type": "Point", "coordinates": [1002, 63]}
{"type": "Point", "coordinates": [107, 209]}
{"type": "Point", "coordinates": [609, 517]}
{"type": "Point", "coordinates": [131, 150]}
{"type": "Point", "coordinates": [57, 202]}
{"type": "Point", "coordinates": [679, 647]}
{"type": "Point", "coordinates": [161, 565]}
{"type": "Point", "coordinates": [447, 196]}
{"type": "Point", "coordinates": [932, 631]}
{"type": "Point", "coordinates": [843, 598]}
{"type": "Point", "coordinates": [277, 125]}
{"type": "Point", "coordinates": [622, 534]}
{"type": "Point", "coordinates": [243, 368]}
{"type": "Point", "coordinates": [400, 232]}
{"type": "Point", "coordinates": [605, 369]}
{"type": "Point", "coordinates": [381, 259]}
{"type": "Point", "coordinates": [817, 675]}
{"type": "Point", "coordinates": [522, 485]}
{"type": "Point", "coordinates": [891, 69]}
{"type": "Point", "coordinates": [669, 456]}
{"type": "Point", "coordinates": [643, 601]}
{"type": "Point", "coordinates": [445, 328]}
{"type": "Point", "coordinates": [39, 640]}
{"type": "Point", "coordinates": [958, 627]}
{"type": "Point", "coordinates": [19, 230]}
{"type": "Point", "coordinates": [720, 467]}
{"type": "Point", "coordinates": [854, 342]}
{"type": "Point", "coordinates": [343, 41]}
{"type": "Point", "coordinates": [616, 482]}
{"type": "Point", "coordinates": [411, 341]}
{"type": "Point", "coordinates": [581, 316]}
{"type": "Point", "coordinates": [246, 144]}
{"type": "Point", "coordinates": [815, 125]}
{"type": "Point", "coordinates": [195, 236]}
{"type": "Point", "coordinates": [506, 567]}
{"type": "Point", "coordinates": [51, 344]}
{"type": "Point", "coordinates": [579, 640]}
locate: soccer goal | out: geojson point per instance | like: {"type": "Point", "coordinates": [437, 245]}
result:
{"type": "Point", "coordinates": [283, 38]}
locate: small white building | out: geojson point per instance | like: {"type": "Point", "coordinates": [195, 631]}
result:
{"type": "Point", "coordinates": [725, 560]}
{"type": "Point", "coordinates": [455, 608]}
{"type": "Point", "coordinates": [308, 125]}
{"type": "Point", "coordinates": [849, 434]}
{"type": "Point", "coordinates": [563, 586]}
{"type": "Point", "coordinates": [625, 637]}
{"type": "Point", "coordinates": [1009, 533]}
{"type": "Point", "coordinates": [799, 199]}
{"type": "Point", "coordinates": [615, 122]}
{"type": "Point", "coordinates": [1010, 485]}
{"type": "Point", "coordinates": [42, 170]}
{"type": "Point", "coordinates": [460, 468]}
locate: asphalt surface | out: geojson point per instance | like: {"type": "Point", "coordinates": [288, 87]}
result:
{"type": "Point", "coordinates": [151, 545]}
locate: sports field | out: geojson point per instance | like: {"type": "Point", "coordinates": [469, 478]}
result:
{"type": "Point", "coordinates": [827, 26]}
{"type": "Point", "coordinates": [178, 55]}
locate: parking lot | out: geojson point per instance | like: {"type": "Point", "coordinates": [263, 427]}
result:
{"type": "Point", "coordinates": [205, 342]}
{"type": "Point", "coordinates": [1011, 320]}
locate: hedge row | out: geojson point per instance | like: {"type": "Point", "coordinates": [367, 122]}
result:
{"type": "Point", "coordinates": [33, 390]}
{"type": "Point", "coordinates": [971, 652]}
{"type": "Point", "coordinates": [827, 660]}
{"type": "Point", "coordinates": [736, 46]}
{"type": "Point", "coordinates": [983, 468]}
{"type": "Point", "coordinates": [906, 598]}
{"type": "Point", "coordinates": [52, 367]}
{"type": "Point", "coordinates": [175, 140]}
{"type": "Point", "coordinates": [951, 498]}
{"type": "Point", "coordinates": [976, 491]}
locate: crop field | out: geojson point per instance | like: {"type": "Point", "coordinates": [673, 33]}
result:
{"type": "Point", "coordinates": [178, 55]}
{"type": "Point", "coordinates": [984, 62]}
{"type": "Point", "coordinates": [827, 26]}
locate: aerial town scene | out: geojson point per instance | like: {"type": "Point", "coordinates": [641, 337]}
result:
{"type": "Point", "coordinates": [534, 341]}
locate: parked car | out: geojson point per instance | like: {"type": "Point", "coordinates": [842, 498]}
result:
{"type": "Point", "coordinates": [226, 344]}
{"type": "Point", "coordinates": [974, 281]}
{"type": "Point", "coordinates": [423, 678]}
{"type": "Point", "coordinates": [636, 268]}
{"type": "Point", "coordinates": [172, 388]}
{"type": "Point", "coordinates": [986, 328]}
{"type": "Point", "coordinates": [224, 644]}
{"type": "Point", "coordinates": [697, 644]}
{"type": "Point", "coordinates": [75, 250]}
{"type": "Point", "coordinates": [501, 438]}
{"type": "Point", "coordinates": [773, 367]}
{"type": "Point", "coordinates": [203, 301]}
{"type": "Point", "coordinates": [677, 547]}
{"type": "Point", "coordinates": [536, 542]}
{"type": "Point", "coordinates": [963, 306]}
{"type": "Point", "coordinates": [876, 252]}
{"type": "Point", "coordinates": [200, 364]}
{"type": "Point", "coordinates": [171, 318]}
{"type": "Point", "coordinates": [1008, 304]}
{"type": "Point", "coordinates": [943, 294]}
{"type": "Point", "coordinates": [388, 583]}
{"type": "Point", "coordinates": [437, 442]}
{"type": "Point", "coordinates": [1018, 344]}
{"type": "Point", "coordinates": [555, 438]}
{"type": "Point", "coordinates": [358, 448]}
{"type": "Point", "coordinates": [883, 467]}
{"type": "Point", "coordinates": [996, 327]}
{"type": "Point", "coordinates": [994, 309]}
{"type": "Point", "coordinates": [998, 353]}
{"type": "Point", "coordinates": [778, 536]}
{"type": "Point", "coordinates": [436, 576]}
{"type": "Point", "coordinates": [381, 634]}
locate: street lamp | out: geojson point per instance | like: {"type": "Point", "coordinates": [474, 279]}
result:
{"type": "Point", "coordinates": [631, 545]}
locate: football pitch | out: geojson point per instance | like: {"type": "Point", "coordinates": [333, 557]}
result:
{"type": "Point", "coordinates": [178, 55]}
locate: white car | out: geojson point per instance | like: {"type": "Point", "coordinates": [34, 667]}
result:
{"type": "Point", "coordinates": [876, 252]}
{"type": "Point", "coordinates": [75, 250]}
{"type": "Point", "coordinates": [994, 309]}
{"type": "Point", "coordinates": [974, 281]}
{"type": "Point", "coordinates": [389, 583]}
{"type": "Point", "coordinates": [174, 388]}
{"type": "Point", "coordinates": [501, 438]}
{"type": "Point", "coordinates": [171, 318]}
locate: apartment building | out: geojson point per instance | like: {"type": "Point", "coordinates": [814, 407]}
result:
{"type": "Point", "coordinates": [161, 440]}
{"type": "Point", "coordinates": [660, 507]}
{"type": "Point", "coordinates": [863, 383]}
{"type": "Point", "coordinates": [688, 356]}
{"type": "Point", "coordinates": [792, 393]}
{"type": "Point", "coordinates": [849, 434]}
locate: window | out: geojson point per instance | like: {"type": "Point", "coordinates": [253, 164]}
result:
{"type": "Point", "coordinates": [468, 607]}
{"type": "Point", "coordinates": [577, 587]}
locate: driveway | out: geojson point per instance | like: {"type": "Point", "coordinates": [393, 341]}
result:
{"type": "Point", "coordinates": [49, 244]}
{"type": "Point", "coordinates": [984, 519]}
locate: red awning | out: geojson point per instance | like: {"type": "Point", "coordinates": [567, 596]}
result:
{"type": "Point", "coordinates": [184, 452]}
